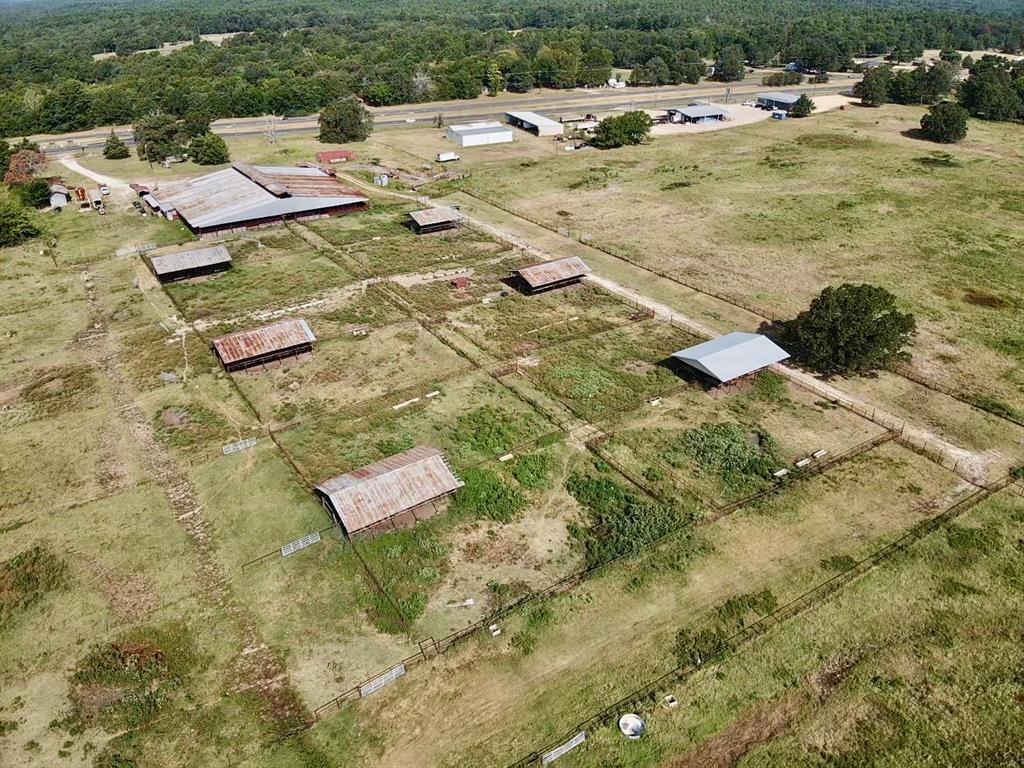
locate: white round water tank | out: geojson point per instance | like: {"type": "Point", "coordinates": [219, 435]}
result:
{"type": "Point", "coordinates": [632, 726]}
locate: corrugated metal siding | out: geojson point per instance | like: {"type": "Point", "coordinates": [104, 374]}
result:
{"type": "Point", "coordinates": [194, 259]}
{"type": "Point", "coordinates": [258, 342]}
{"type": "Point", "coordinates": [386, 488]}
{"type": "Point", "coordinates": [555, 271]}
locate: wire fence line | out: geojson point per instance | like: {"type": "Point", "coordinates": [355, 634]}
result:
{"type": "Point", "coordinates": [431, 647]}
{"type": "Point", "coordinates": [645, 695]}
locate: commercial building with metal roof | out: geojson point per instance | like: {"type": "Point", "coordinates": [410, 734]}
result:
{"type": "Point", "coordinates": [259, 346]}
{"type": "Point", "coordinates": [193, 263]}
{"type": "Point", "coordinates": [479, 134]}
{"type": "Point", "coordinates": [534, 123]}
{"type": "Point", "coordinates": [389, 494]}
{"type": "Point", "coordinates": [553, 274]}
{"type": "Point", "coordinates": [697, 113]}
{"type": "Point", "coordinates": [731, 356]}
{"type": "Point", "coordinates": [249, 196]}
{"type": "Point", "coordinates": [777, 100]}
{"type": "Point", "coordinates": [434, 220]}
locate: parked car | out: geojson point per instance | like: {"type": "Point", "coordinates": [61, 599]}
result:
{"type": "Point", "coordinates": [104, 190]}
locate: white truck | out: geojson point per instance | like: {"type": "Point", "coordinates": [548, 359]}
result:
{"type": "Point", "coordinates": [446, 157]}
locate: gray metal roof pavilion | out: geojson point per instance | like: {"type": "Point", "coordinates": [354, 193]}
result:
{"type": "Point", "coordinates": [731, 356]}
{"type": "Point", "coordinates": [779, 97]}
{"type": "Point", "coordinates": [696, 111]}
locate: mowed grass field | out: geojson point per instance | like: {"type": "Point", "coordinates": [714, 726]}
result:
{"type": "Point", "coordinates": [135, 636]}
{"type": "Point", "coordinates": [773, 212]}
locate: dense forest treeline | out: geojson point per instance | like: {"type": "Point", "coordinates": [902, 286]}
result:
{"type": "Point", "coordinates": [295, 57]}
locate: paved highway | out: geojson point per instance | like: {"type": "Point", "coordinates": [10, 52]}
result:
{"type": "Point", "coordinates": [554, 103]}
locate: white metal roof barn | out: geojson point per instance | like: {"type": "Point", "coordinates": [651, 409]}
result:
{"type": "Point", "coordinates": [731, 356]}
{"type": "Point", "coordinates": [479, 134]}
{"type": "Point", "coordinates": [387, 494]}
{"type": "Point", "coordinates": [534, 123]}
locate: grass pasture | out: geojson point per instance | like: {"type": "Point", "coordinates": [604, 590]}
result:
{"type": "Point", "coordinates": [728, 447]}
{"type": "Point", "coordinates": [773, 212]}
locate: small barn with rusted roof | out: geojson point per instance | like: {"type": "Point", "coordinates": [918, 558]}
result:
{"type": "Point", "coordinates": [552, 274]}
{"type": "Point", "coordinates": [434, 220]}
{"type": "Point", "coordinates": [193, 263]}
{"type": "Point", "coordinates": [389, 494]}
{"type": "Point", "coordinates": [268, 344]}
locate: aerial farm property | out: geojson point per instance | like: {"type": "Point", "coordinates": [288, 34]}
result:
{"type": "Point", "coordinates": [351, 453]}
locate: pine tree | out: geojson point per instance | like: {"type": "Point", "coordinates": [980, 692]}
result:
{"type": "Point", "coordinates": [115, 149]}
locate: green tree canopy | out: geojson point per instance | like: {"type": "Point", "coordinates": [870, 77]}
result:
{"type": "Point", "coordinates": [16, 224]}
{"type": "Point", "coordinates": [34, 193]}
{"type": "Point", "coordinates": [852, 329]}
{"type": "Point", "coordinates": [158, 137]}
{"type": "Point", "coordinates": [802, 107]}
{"type": "Point", "coordinates": [115, 149]}
{"type": "Point", "coordinates": [945, 123]}
{"type": "Point", "coordinates": [623, 130]}
{"type": "Point", "coordinates": [209, 149]}
{"type": "Point", "coordinates": [730, 65]}
{"type": "Point", "coordinates": [993, 92]}
{"type": "Point", "coordinates": [345, 119]}
{"type": "Point", "coordinates": [873, 90]}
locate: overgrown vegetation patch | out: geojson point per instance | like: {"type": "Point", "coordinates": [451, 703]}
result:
{"type": "Point", "coordinates": [59, 390]}
{"type": "Point", "coordinates": [694, 645]}
{"type": "Point", "coordinates": [618, 521]}
{"type": "Point", "coordinates": [27, 578]}
{"type": "Point", "coordinates": [189, 426]}
{"type": "Point", "coordinates": [485, 495]}
{"type": "Point", "coordinates": [743, 460]}
{"type": "Point", "coordinates": [127, 683]}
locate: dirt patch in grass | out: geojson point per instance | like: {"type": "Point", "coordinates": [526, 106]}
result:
{"type": "Point", "coordinates": [639, 367]}
{"type": "Point", "coordinates": [767, 721]}
{"type": "Point", "coordinates": [981, 299]}
{"type": "Point", "coordinates": [188, 427]}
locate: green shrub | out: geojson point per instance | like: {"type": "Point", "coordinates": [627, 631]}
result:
{"type": "Point", "coordinates": [730, 452]}
{"type": "Point", "coordinates": [488, 430]}
{"type": "Point", "coordinates": [771, 387]}
{"type": "Point", "coordinates": [26, 578]}
{"type": "Point", "coordinates": [126, 683]}
{"type": "Point", "coordinates": [533, 470]}
{"type": "Point", "coordinates": [618, 522]}
{"type": "Point", "coordinates": [838, 563]}
{"type": "Point", "coordinates": [736, 612]}
{"type": "Point", "coordinates": [485, 495]}
{"type": "Point", "coordinates": [695, 646]}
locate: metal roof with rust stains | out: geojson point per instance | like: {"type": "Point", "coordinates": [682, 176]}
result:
{"type": "Point", "coordinates": [551, 272]}
{"type": "Point", "coordinates": [194, 259]}
{"type": "Point", "coordinates": [386, 488]}
{"type": "Point", "coordinates": [257, 342]}
{"type": "Point", "coordinates": [249, 192]}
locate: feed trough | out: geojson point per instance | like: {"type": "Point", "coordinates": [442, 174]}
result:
{"type": "Point", "coordinates": [632, 726]}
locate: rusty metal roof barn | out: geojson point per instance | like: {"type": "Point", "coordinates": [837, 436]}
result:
{"type": "Point", "coordinates": [262, 343]}
{"type": "Point", "coordinates": [553, 273]}
{"type": "Point", "coordinates": [378, 492]}
{"type": "Point", "coordinates": [188, 261]}
{"type": "Point", "coordinates": [243, 194]}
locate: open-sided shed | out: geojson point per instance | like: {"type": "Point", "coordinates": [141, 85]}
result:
{"type": "Point", "coordinates": [259, 346]}
{"type": "Point", "coordinates": [732, 356]}
{"type": "Point", "coordinates": [553, 274]}
{"type": "Point", "coordinates": [193, 263]}
{"type": "Point", "coordinates": [434, 220]}
{"type": "Point", "coordinates": [777, 100]}
{"type": "Point", "coordinates": [534, 123]}
{"type": "Point", "coordinates": [391, 493]}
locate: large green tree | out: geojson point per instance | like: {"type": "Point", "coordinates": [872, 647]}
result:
{"type": "Point", "coordinates": [16, 224]}
{"type": "Point", "coordinates": [34, 193]}
{"type": "Point", "coordinates": [994, 91]}
{"type": "Point", "coordinates": [209, 149]}
{"type": "Point", "coordinates": [623, 130]}
{"type": "Point", "coordinates": [158, 137]}
{"type": "Point", "coordinates": [802, 107]}
{"type": "Point", "coordinates": [345, 119]}
{"type": "Point", "coordinates": [873, 89]}
{"type": "Point", "coordinates": [945, 123]}
{"type": "Point", "coordinates": [730, 65]}
{"type": "Point", "coordinates": [850, 329]}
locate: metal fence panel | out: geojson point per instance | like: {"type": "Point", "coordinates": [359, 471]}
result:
{"type": "Point", "coordinates": [557, 752]}
{"type": "Point", "coordinates": [298, 544]}
{"type": "Point", "coordinates": [379, 682]}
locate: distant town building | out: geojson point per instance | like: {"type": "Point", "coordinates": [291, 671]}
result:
{"type": "Point", "coordinates": [479, 134]}
{"type": "Point", "coordinates": [697, 113]}
{"type": "Point", "coordinates": [534, 123]}
{"type": "Point", "coordinates": [777, 100]}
